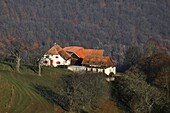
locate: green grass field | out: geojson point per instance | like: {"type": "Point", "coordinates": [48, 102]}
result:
{"type": "Point", "coordinates": [18, 93]}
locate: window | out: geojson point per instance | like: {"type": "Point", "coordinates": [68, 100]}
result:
{"type": "Point", "coordinates": [56, 57]}
{"type": "Point", "coordinates": [47, 56]}
{"type": "Point", "coordinates": [58, 62]}
{"type": "Point", "coordinates": [45, 62]}
{"type": "Point", "coordinates": [97, 70]}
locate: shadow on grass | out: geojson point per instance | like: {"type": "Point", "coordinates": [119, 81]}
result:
{"type": "Point", "coordinates": [33, 68]}
{"type": "Point", "coordinates": [52, 96]}
{"type": "Point", "coordinates": [11, 65]}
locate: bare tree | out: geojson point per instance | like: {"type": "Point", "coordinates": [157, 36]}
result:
{"type": "Point", "coordinates": [37, 56]}
{"type": "Point", "coordinates": [17, 54]}
{"type": "Point", "coordinates": [15, 49]}
{"type": "Point", "coordinates": [132, 56]}
{"type": "Point", "coordinates": [167, 75]}
{"type": "Point", "coordinates": [39, 68]}
{"type": "Point", "coordinates": [85, 91]}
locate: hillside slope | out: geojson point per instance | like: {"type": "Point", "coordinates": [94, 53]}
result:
{"type": "Point", "coordinates": [109, 24]}
{"type": "Point", "coordinates": [19, 95]}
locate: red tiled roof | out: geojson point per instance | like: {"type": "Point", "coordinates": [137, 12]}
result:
{"type": "Point", "coordinates": [91, 57]}
{"type": "Point", "coordinates": [79, 51]}
{"type": "Point", "coordinates": [93, 52]}
{"type": "Point", "coordinates": [98, 61]}
{"type": "Point", "coordinates": [56, 49]}
{"type": "Point", "coordinates": [53, 50]}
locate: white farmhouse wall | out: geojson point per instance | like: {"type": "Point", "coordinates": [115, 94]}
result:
{"type": "Point", "coordinates": [88, 69]}
{"type": "Point", "coordinates": [58, 60]}
{"type": "Point", "coordinates": [77, 68]}
{"type": "Point", "coordinates": [54, 60]}
{"type": "Point", "coordinates": [109, 70]}
{"type": "Point", "coordinates": [100, 70]}
{"type": "Point", "coordinates": [45, 60]}
{"type": "Point", "coordinates": [94, 70]}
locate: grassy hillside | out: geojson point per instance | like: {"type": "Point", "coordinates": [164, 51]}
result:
{"type": "Point", "coordinates": [26, 92]}
{"type": "Point", "coordinates": [18, 94]}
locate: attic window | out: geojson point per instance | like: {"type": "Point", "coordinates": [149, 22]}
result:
{"type": "Point", "coordinates": [56, 57]}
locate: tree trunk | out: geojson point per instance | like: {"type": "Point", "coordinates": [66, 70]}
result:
{"type": "Point", "coordinates": [39, 69]}
{"type": "Point", "coordinates": [167, 86]}
{"type": "Point", "coordinates": [150, 109]}
{"type": "Point", "coordinates": [18, 61]}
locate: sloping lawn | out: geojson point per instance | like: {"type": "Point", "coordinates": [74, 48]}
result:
{"type": "Point", "coordinates": [18, 94]}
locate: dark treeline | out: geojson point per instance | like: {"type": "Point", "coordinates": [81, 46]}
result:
{"type": "Point", "coordinates": [112, 25]}
{"type": "Point", "coordinates": [145, 84]}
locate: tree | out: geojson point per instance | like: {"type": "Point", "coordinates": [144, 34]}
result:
{"type": "Point", "coordinates": [15, 49]}
{"type": "Point", "coordinates": [163, 80]}
{"type": "Point", "coordinates": [39, 68]}
{"type": "Point", "coordinates": [157, 69]}
{"type": "Point", "coordinates": [17, 55]}
{"type": "Point", "coordinates": [36, 58]}
{"type": "Point", "coordinates": [132, 56]}
{"type": "Point", "coordinates": [136, 94]}
{"type": "Point", "coordinates": [153, 46]}
{"type": "Point", "coordinates": [85, 91]}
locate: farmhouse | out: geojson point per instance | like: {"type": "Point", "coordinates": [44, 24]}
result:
{"type": "Point", "coordinates": [79, 59]}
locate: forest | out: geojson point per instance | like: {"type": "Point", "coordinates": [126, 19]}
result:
{"type": "Point", "coordinates": [112, 25]}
